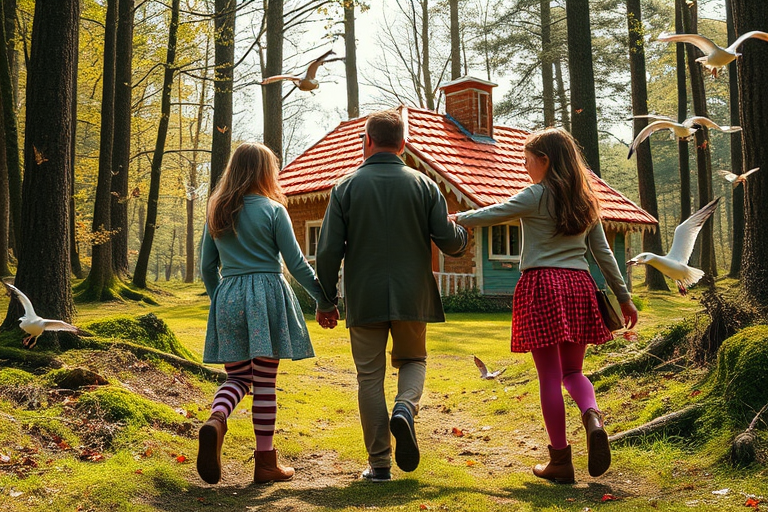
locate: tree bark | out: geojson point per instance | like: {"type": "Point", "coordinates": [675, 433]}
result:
{"type": "Point", "coordinates": [121, 149]}
{"type": "Point", "coordinates": [737, 160]}
{"type": "Point", "coordinates": [565, 118]}
{"type": "Point", "coordinates": [224, 64]}
{"type": "Point", "coordinates": [44, 268]}
{"type": "Point", "coordinates": [142, 263]}
{"type": "Point", "coordinates": [273, 93]}
{"type": "Point", "coordinates": [4, 210]}
{"type": "Point", "coordinates": [11, 140]}
{"type": "Point", "coordinates": [429, 92]}
{"type": "Point", "coordinates": [654, 279]}
{"type": "Point", "coordinates": [583, 101]}
{"type": "Point", "coordinates": [703, 156]}
{"type": "Point", "coordinates": [455, 40]}
{"type": "Point", "coordinates": [547, 79]}
{"type": "Point", "coordinates": [682, 115]}
{"type": "Point", "coordinates": [74, 246]}
{"type": "Point", "coordinates": [350, 48]}
{"type": "Point", "coordinates": [753, 111]}
{"type": "Point", "coordinates": [101, 277]}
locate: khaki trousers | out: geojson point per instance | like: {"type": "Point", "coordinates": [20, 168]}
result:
{"type": "Point", "coordinates": [409, 356]}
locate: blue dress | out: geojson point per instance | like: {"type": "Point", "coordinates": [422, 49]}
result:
{"type": "Point", "coordinates": [254, 312]}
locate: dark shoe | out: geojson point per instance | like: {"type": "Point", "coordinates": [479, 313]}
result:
{"type": "Point", "coordinates": [560, 467]}
{"type": "Point", "coordinates": [597, 443]}
{"type": "Point", "coordinates": [406, 447]}
{"type": "Point", "coordinates": [267, 469]}
{"type": "Point", "coordinates": [376, 474]}
{"type": "Point", "coordinates": [211, 438]}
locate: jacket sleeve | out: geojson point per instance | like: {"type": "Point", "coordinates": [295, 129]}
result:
{"type": "Point", "coordinates": [209, 262]}
{"type": "Point", "coordinates": [448, 236]}
{"type": "Point", "coordinates": [295, 261]}
{"type": "Point", "coordinates": [331, 247]}
{"type": "Point", "coordinates": [519, 205]}
{"type": "Point", "coordinates": [605, 259]}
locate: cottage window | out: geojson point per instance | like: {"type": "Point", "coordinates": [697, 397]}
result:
{"type": "Point", "coordinates": [312, 236]}
{"type": "Point", "coordinates": [504, 242]}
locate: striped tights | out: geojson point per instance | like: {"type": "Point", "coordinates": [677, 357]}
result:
{"type": "Point", "coordinates": [259, 375]}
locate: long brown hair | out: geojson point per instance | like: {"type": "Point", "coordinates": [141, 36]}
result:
{"type": "Point", "coordinates": [574, 203]}
{"type": "Point", "coordinates": [253, 168]}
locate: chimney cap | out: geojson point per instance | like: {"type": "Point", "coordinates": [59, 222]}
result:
{"type": "Point", "coordinates": [467, 79]}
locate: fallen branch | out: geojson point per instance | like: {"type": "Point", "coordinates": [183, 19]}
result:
{"type": "Point", "coordinates": [678, 422]}
{"type": "Point", "coordinates": [652, 357]}
{"type": "Point", "coordinates": [176, 361]}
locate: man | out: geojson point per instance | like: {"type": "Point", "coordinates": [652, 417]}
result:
{"type": "Point", "coordinates": [381, 221]}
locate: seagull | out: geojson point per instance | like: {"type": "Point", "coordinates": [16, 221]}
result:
{"type": "Point", "coordinates": [675, 264]}
{"type": "Point", "coordinates": [735, 179]}
{"type": "Point", "coordinates": [683, 131]}
{"type": "Point", "coordinates": [308, 81]}
{"type": "Point", "coordinates": [35, 325]}
{"type": "Point", "coordinates": [484, 374]}
{"type": "Point", "coordinates": [715, 57]}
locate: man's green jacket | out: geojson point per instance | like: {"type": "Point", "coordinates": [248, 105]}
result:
{"type": "Point", "coordinates": [380, 220]}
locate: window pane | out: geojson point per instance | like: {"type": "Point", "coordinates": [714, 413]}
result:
{"type": "Point", "coordinates": [314, 231]}
{"type": "Point", "coordinates": [514, 240]}
{"type": "Point", "coordinates": [499, 240]}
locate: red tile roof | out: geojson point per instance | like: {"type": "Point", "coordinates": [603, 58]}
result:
{"type": "Point", "coordinates": [485, 173]}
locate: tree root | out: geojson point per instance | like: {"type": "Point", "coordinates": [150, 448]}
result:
{"type": "Point", "coordinates": [675, 423]}
{"type": "Point", "coordinates": [201, 370]}
{"type": "Point", "coordinates": [743, 450]}
{"type": "Point", "coordinates": [652, 356]}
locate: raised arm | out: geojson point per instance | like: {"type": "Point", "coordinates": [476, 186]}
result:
{"type": "Point", "coordinates": [209, 262]}
{"type": "Point", "coordinates": [515, 207]}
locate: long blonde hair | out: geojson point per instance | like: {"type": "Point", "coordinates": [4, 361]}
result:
{"type": "Point", "coordinates": [253, 168]}
{"type": "Point", "coordinates": [574, 203]}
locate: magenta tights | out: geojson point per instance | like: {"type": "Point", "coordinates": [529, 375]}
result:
{"type": "Point", "coordinates": [556, 364]}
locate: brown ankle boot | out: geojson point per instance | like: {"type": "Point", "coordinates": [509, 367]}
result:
{"type": "Point", "coordinates": [560, 467]}
{"type": "Point", "coordinates": [211, 438]}
{"type": "Point", "coordinates": [597, 443]}
{"type": "Point", "coordinates": [268, 470]}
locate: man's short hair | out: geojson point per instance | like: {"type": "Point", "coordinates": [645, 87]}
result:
{"type": "Point", "coordinates": [386, 128]}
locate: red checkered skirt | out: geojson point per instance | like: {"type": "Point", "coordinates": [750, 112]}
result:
{"type": "Point", "coordinates": [556, 305]}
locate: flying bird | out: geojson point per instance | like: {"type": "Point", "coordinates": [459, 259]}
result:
{"type": "Point", "coordinates": [715, 57]}
{"type": "Point", "coordinates": [484, 373]}
{"type": "Point", "coordinates": [684, 130]}
{"type": "Point", "coordinates": [35, 325]}
{"type": "Point", "coordinates": [308, 82]}
{"type": "Point", "coordinates": [735, 179]}
{"type": "Point", "coordinates": [675, 264]}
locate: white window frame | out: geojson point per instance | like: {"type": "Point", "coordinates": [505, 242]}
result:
{"type": "Point", "coordinates": [504, 257]}
{"type": "Point", "coordinates": [308, 225]}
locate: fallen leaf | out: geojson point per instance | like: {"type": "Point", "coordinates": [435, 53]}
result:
{"type": "Point", "coordinates": [609, 497]}
{"type": "Point", "coordinates": [630, 335]}
{"type": "Point", "coordinates": [201, 499]}
{"type": "Point", "coordinates": [457, 432]}
{"type": "Point", "coordinates": [696, 392]}
{"type": "Point", "coordinates": [181, 459]}
{"type": "Point", "coordinates": [471, 463]}
{"type": "Point", "coordinates": [639, 395]}
{"type": "Point", "coordinates": [147, 453]}
{"type": "Point", "coordinates": [15, 494]}
{"type": "Point", "coordinates": [5, 459]}
{"type": "Point", "coordinates": [721, 492]}
{"type": "Point", "coordinates": [752, 502]}
{"type": "Point", "coordinates": [423, 507]}
{"type": "Point", "coordinates": [139, 472]}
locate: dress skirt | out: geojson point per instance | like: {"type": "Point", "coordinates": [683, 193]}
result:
{"type": "Point", "coordinates": [255, 315]}
{"type": "Point", "coordinates": [556, 305]}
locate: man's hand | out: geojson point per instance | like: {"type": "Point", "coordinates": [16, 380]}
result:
{"type": "Point", "coordinates": [328, 319]}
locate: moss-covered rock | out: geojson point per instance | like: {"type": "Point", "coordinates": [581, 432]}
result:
{"type": "Point", "coordinates": [120, 405]}
{"type": "Point", "coordinates": [15, 377]}
{"type": "Point", "coordinates": [147, 330]}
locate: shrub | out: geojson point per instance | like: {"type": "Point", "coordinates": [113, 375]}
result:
{"type": "Point", "coordinates": [471, 301]}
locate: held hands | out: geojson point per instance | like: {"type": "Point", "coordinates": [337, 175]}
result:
{"type": "Point", "coordinates": [329, 319]}
{"type": "Point", "coordinates": [629, 312]}
{"type": "Point", "coordinates": [452, 218]}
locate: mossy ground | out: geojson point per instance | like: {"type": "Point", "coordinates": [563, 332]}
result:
{"type": "Point", "coordinates": [131, 445]}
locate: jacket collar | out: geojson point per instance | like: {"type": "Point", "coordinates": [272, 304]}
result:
{"type": "Point", "coordinates": [382, 158]}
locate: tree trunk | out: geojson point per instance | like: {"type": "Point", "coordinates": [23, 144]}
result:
{"type": "Point", "coordinates": [429, 92]}
{"type": "Point", "coordinates": [583, 101]}
{"type": "Point", "coordinates": [44, 267]}
{"type": "Point", "coordinates": [13, 53]}
{"type": "Point", "coordinates": [547, 79]}
{"type": "Point", "coordinates": [753, 111]}
{"type": "Point", "coordinates": [654, 279]}
{"type": "Point", "coordinates": [703, 156]}
{"type": "Point", "coordinates": [455, 40]}
{"type": "Point", "coordinates": [11, 140]}
{"type": "Point", "coordinates": [169, 267]}
{"type": "Point", "coordinates": [121, 148]}
{"type": "Point", "coordinates": [4, 210]}
{"type": "Point", "coordinates": [562, 98]}
{"type": "Point", "coordinates": [142, 263]}
{"type": "Point", "coordinates": [273, 93]}
{"type": "Point", "coordinates": [74, 246]}
{"type": "Point", "coordinates": [224, 64]}
{"type": "Point", "coordinates": [737, 160]}
{"type": "Point", "coordinates": [682, 114]}
{"type": "Point", "coordinates": [350, 48]}
{"type": "Point", "coordinates": [101, 277]}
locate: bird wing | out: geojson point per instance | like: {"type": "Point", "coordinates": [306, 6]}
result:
{"type": "Point", "coordinates": [59, 325]}
{"type": "Point", "coordinates": [728, 175]}
{"type": "Point", "coordinates": [647, 131]}
{"type": "Point", "coordinates": [755, 33]}
{"type": "Point", "coordinates": [705, 121]}
{"type": "Point", "coordinates": [702, 43]}
{"type": "Point", "coordinates": [686, 233]}
{"type": "Point", "coordinates": [495, 374]}
{"type": "Point", "coordinates": [29, 311]}
{"type": "Point", "coordinates": [655, 117]}
{"type": "Point", "coordinates": [749, 172]}
{"type": "Point", "coordinates": [277, 78]}
{"type": "Point", "coordinates": [315, 64]}
{"type": "Point", "coordinates": [481, 366]}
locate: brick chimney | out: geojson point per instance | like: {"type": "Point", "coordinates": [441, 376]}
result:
{"type": "Point", "coordinates": [469, 102]}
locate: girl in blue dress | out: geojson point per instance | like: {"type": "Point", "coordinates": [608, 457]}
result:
{"type": "Point", "coordinates": [255, 319]}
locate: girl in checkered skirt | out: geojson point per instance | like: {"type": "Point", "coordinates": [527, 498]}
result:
{"type": "Point", "coordinates": [555, 313]}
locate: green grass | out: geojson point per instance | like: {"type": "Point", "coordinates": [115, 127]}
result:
{"type": "Point", "coordinates": [486, 469]}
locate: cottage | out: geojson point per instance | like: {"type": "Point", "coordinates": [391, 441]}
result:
{"type": "Point", "coordinates": [475, 164]}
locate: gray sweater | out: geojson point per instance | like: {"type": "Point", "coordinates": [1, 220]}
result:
{"type": "Point", "coordinates": [542, 247]}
